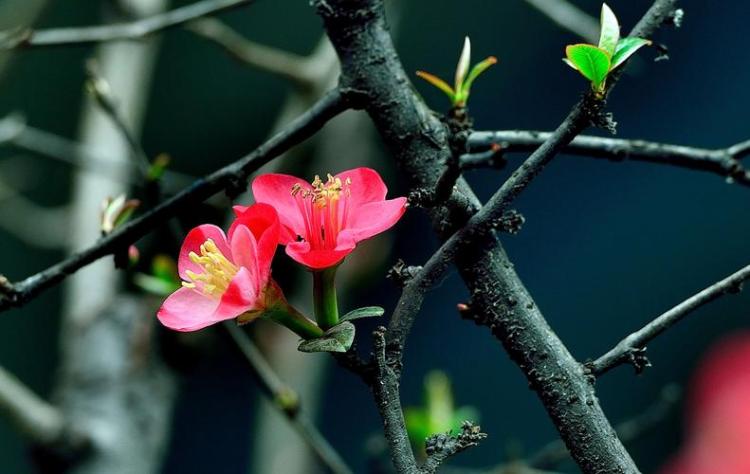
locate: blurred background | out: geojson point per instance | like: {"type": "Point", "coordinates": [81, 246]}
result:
{"type": "Point", "coordinates": [606, 246]}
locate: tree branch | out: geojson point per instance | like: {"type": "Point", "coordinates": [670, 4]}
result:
{"type": "Point", "coordinates": [35, 418]}
{"type": "Point", "coordinates": [14, 131]}
{"type": "Point", "coordinates": [286, 401]}
{"type": "Point", "coordinates": [230, 178]}
{"type": "Point", "coordinates": [442, 446]}
{"type": "Point", "coordinates": [632, 348]}
{"type": "Point", "coordinates": [722, 161]}
{"type": "Point", "coordinates": [569, 17]}
{"type": "Point", "coordinates": [134, 30]}
{"type": "Point", "coordinates": [419, 143]}
{"type": "Point", "coordinates": [289, 66]}
{"type": "Point", "coordinates": [385, 388]}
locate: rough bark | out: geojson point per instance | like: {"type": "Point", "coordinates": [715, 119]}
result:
{"type": "Point", "coordinates": [419, 142]}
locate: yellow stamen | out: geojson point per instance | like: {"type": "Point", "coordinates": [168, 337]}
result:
{"type": "Point", "coordinates": [218, 271]}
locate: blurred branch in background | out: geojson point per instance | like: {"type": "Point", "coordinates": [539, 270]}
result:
{"type": "Point", "coordinates": [15, 132]}
{"type": "Point", "coordinates": [101, 92]}
{"type": "Point", "coordinates": [30, 222]}
{"type": "Point", "coordinates": [133, 30]}
{"type": "Point", "coordinates": [299, 70]}
{"type": "Point", "coordinates": [722, 161]}
{"type": "Point", "coordinates": [111, 382]}
{"type": "Point", "coordinates": [286, 401]}
{"type": "Point", "coordinates": [18, 14]}
{"type": "Point", "coordinates": [36, 419]}
{"type": "Point", "coordinates": [569, 17]}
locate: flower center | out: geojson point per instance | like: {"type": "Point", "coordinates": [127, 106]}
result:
{"type": "Point", "coordinates": [218, 271]}
{"type": "Point", "coordinates": [325, 209]}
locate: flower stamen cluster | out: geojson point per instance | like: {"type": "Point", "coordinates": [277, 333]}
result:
{"type": "Point", "coordinates": [218, 271]}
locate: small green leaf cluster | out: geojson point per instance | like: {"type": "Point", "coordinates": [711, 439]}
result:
{"type": "Point", "coordinates": [595, 63]}
{"type": "Point", "coordinates": [464, 78]}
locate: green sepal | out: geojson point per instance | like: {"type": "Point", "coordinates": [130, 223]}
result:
{"type": "Point", "coordinates": [337, 339]}
{"type": "Point", "coordinates": [364, 312]}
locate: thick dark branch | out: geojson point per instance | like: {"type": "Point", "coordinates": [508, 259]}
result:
{"type": "Point", "coordinates": [419, 143]}
{"type": "Point", "coordinates": [723, 161]}
{"type": "Point", "coordinates": [231, 178]}
{"type": "Point", "coordinates": [286, 401]}
{"type": "Point", "coordinates": [631, 348]}
{"type": "Point", "coordinates": [629, 431]}
{"type": "Point", "coordinates": [135, 30]}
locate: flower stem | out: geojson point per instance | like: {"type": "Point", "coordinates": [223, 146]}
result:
{"type": "Point", "coordinates": [295, 321]}
{"type": "Point", "coordinates": [324, 294]}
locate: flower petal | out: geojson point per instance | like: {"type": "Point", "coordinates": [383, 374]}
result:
{"type": "Point", "coordinates": [373, 218]}
{"type": "Point", "coordinates": [241, 296]}
{"type": "Point", "coordinates": [245, 252]}
{"type": "Point", "coordinates": [193, 242]}
{"type": "Point", "coordinates": [187, 310]}
{"type": "Point", "coordinates": [263, 222]}
{"type": "Point", "coordinates": [366, 186]}
{"type": "Point", "coordinates": [276, 190]}
{"type": "Point", "coordinates": [317, 259]}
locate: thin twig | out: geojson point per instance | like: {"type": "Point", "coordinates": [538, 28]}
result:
{"type": "Point", "coordinates": [134, 30]}
{"type": "Point", "coordinates": [284, 64]}
{"type": "Point", "coordinates": [632, 347]}
{"type": "Point", "coordinates": [99, 88]}
{"type": "Point", "coordinates": [721, 161]}
{"type": "Point", "coordinates": [285, 400]}
{"type": "Point", "coordinates": [569, 17]}
{"type": "Point", "coordinates": [231, 178]}
{"type": "Point", "coordinates": [386, 392]}
{"type": "Point", "coordinates": [442, 446]}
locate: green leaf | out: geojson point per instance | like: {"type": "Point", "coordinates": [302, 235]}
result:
{"type": "Point", "coordinates": [439, 83]}
{"type": "Point", "coordinates": [463, 64]}
{"type": "Point", "coordinates": [569, 63]}
{"type": "Point", "coordinates": [590, 61]}
{"type": "Point", "coordinates": [337, 339]}
{"type": "Point", "coordinates": [610, 30]}
{"type": "Point", "coordinates": [463, 93]}
{"type": "Point", "coordinates": [626, 48]}
{"type": "Point", "coordinates": [365, 312]}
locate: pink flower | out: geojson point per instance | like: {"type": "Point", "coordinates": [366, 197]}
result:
{"type": "Point", "coordinates": [718, 408]}
{"type": "Point", "coordinates": [321, 221]}
{"type": "Point", "coordinates": [225, 277]}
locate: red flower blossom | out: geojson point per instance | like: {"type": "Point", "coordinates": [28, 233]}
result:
{"type": "Point", "coordinates": [225, 276]}
{"type": "Point", "coordinates": [323, 221]}
{"type": "Point", "coordinates": [718, 413]}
